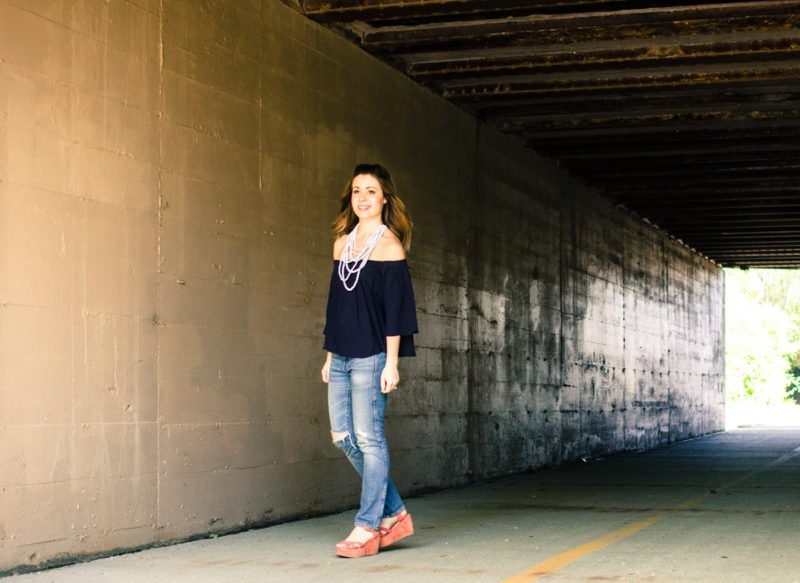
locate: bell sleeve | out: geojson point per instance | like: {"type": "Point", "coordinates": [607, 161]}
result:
{"type": "Point", "coordinates": [400, 308]}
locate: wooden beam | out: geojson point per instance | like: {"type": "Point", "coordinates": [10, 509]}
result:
{"type": "Point", "coordinates": [773, 115]}
{"type": "Point", "coordinates": [481, 90]}
{"type": "Point", "coordinates": [776, 226]}
{"type": "Point", "coordinates": [585, 27]}
{"type": "Point", "coordinates": [642, 53]}
{"type": "Point", "coordinates": [661, 167]}
{"type": "Point", "coordinates": [348, 10]}
{"type": "Point", "coordinates": [642, 99]}
{"type": "Point", "coordinates": [672, 192]}
{"type": "Point", "coordinates": [743, 201]}
{"type": "Point", "coordinates": [687, 210]}
{"type": "Point", "coordinates": [689, 174]}
{"type": "Point", "coordinates": [712, 247]}
{"type": "Point", "coordinates": [669, 145]}
{"type": "Point", "coordinates": [717, 183]}
{"type": "Point", "coordinates": [416, 10]}
{"type": "Point", "coordinates": [785, 254]}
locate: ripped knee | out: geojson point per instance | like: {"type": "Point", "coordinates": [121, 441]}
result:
{"type": "Point", "coordinates": [344, 441]}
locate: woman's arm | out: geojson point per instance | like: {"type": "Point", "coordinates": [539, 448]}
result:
{"type": "Point", "coordinates": [390, 377]}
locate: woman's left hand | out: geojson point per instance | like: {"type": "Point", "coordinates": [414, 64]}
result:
{"type": "Point", "coordinates": [390, 378]}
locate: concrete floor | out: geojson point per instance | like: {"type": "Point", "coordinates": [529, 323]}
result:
{"type": "Point", "coordinates": [724, 508]}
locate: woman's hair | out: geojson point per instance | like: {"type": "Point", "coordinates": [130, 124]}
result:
{"type": "Point", "coordinates": [393, 215]}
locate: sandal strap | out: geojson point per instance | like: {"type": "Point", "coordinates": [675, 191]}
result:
{"type": "Point", "coordinates": [401, 516]}
{"type": "Point", "coordinates": [354, 544]}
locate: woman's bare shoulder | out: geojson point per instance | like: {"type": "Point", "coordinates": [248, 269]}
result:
{"type": "Point", "coordinates": [389, 249]}
{"type": "Point", "coordinates": [338, 246]}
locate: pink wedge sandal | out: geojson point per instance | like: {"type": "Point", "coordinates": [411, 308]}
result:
{"type": "Point", "coordinates": [399, 530]}
{"type": "Point", "coordinates": [353, 549]}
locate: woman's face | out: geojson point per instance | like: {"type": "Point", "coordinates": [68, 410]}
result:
{"type": "Point", "coordinates": [367, 197]}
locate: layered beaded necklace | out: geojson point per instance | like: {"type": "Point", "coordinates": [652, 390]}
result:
{"type": "Point", "coordinates": [354, 259]}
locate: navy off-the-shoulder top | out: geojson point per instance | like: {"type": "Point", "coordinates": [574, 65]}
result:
{"type": "Point", "coordinates": [382, 304]}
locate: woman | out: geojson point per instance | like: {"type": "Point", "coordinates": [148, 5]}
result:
{"type": "Point", "coordinates": [370, 321]}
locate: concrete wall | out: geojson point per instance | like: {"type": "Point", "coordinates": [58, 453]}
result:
{"type": "Point", "coordinates": [168, 171]}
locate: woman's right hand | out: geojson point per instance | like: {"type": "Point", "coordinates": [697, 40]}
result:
{"type": "Point", "coordinates": [326, 370]}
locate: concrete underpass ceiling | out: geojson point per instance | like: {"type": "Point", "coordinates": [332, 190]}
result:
{"type": "Point", "coordinates": [687, 114]}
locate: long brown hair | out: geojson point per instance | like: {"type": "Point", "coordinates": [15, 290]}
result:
{"type": "Point", "coordinates": [393, 215]}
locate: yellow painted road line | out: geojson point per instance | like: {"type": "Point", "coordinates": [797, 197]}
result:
{"type": "Point", "coordinates": [563, 559]}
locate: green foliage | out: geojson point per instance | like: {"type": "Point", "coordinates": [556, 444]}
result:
{"type": "Point", "coordinates": [762, 335]}
{"type": "Point", "coordinates": [793, 389]}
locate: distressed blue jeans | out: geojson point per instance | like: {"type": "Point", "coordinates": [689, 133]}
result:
{"type": "Point", "coordinates": [357, 407]}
